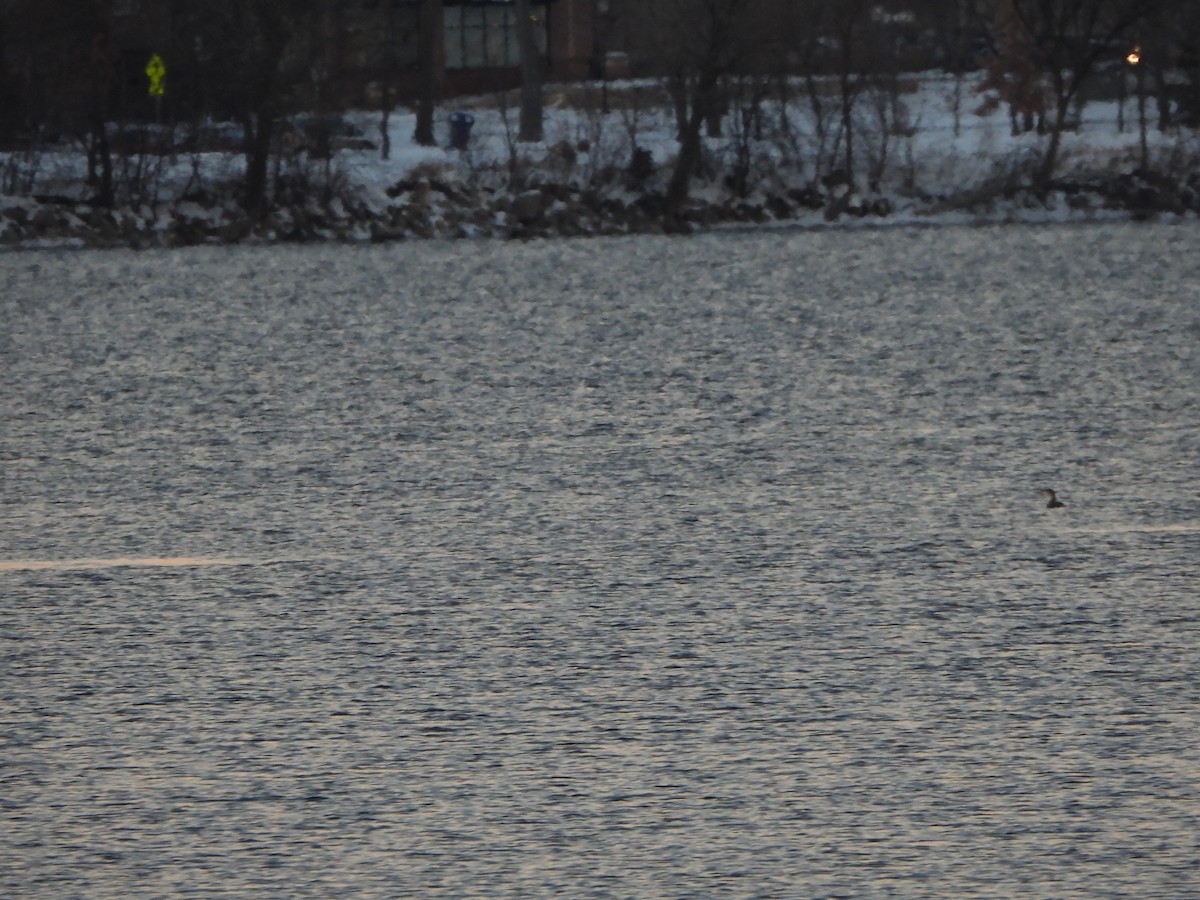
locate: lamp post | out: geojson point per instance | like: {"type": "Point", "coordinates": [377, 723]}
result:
{"type": "Point", "coordinates": [1135, 59]}
{"type": "Point", "coordinates": [1122, 92]}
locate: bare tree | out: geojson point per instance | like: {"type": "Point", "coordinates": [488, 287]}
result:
{"type": "Point", "coordinates": [1067, 39]}
{"type": "Point", "coordinates": [386, 86]}
{"type": "Point", "coordinates": [253, 56]}
{"type": "Point", "coordinates": [1012, 76]}
{"type": "Point", "coordinates": [848, 21]}
{"type": "Point", "coordinates": [1188, 36]}
{"type": "Point", "coordinates": [429, 65]}
{"type": "Point", "coordinates": [847, 41]}
{"type": "Point", "coordinates": [66, 69]}
{"type": "Point", "coordinates": [1168, 48]}
{"type": "Point", "coordinates": [959, 33]}
{"type": "Point", "coordinates": [698, 42]}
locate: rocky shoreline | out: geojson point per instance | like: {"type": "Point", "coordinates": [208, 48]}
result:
{"type": "Point", "coordinates": [432, 208]}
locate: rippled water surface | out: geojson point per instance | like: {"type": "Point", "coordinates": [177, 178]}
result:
{"type": "Point", "coordinates": [705, 567]}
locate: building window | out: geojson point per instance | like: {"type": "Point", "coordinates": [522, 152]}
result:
{"type": "Point", "coordinates": [485, 36]}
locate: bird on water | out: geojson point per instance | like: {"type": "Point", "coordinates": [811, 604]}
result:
{"type": "Point", "coordinates": [1052, 501]}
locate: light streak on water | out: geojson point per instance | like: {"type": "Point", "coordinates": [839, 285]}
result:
{"type": "Point", "coordinates": [32, 565]}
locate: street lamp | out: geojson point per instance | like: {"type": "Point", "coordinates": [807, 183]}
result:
{"type": "Point", "coordinates": [1134, 58]}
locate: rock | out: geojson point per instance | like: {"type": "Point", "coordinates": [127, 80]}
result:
{"type": "Point", "coordinates": [401, 187]}
{"type": "Point", "coordinates": [43, 220]}
{"type": "Point", "coordinates": [527, 207]}
{"type": "Point", "coordinates": [641, 166]}
{"type": "Point", "coordinates": [418, 222]}
{"type": "Point", "coordinates": [565, 153]}
{"type": "Point", "coordinates": [565, 220]}
{"type": "Point", "coordinates": [384, 232]}
{"type": "Point", "coordinates": [128, 224]}
{"type": "Point", "coordinates": [234, 232]}
{"type": "Point", "coordinates": [837, 206]}
{"type": "Point", "coordinates": [750, 212]}
{"type": "Point", "coordinates": [808, 197]}
{"type": "Point", "coordinates": [778, 207]}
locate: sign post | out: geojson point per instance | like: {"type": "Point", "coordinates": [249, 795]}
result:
{"type": "Point", "coordinates": [156, 70]}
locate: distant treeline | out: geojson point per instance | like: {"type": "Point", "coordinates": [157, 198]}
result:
{"type": "Point", "coordinates": [84, 70]}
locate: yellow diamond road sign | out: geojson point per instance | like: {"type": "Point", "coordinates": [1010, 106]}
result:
{"type": "Point", "coordinates": [155, 70]}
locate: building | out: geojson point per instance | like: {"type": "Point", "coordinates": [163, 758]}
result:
{"type": "Point", "coordinates": [367, 44]}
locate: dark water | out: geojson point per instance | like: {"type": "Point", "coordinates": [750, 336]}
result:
{"type": "Point", "coordinates": [708, 567]}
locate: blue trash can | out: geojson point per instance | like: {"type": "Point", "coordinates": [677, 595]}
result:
{"type": "Point", "coordinates": [460, 129]}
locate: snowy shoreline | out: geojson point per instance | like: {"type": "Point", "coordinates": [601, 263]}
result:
{"type": "Point", "coordinates": [551, 211]}
{"type": "Point", "coordinates": [935, 162]}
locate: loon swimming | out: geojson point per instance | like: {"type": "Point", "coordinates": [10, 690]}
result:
{"type": "Point", "coordinates": [1052, 501]}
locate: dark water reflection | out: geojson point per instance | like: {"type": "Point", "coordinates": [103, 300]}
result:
{"type": "Point", "coordinates": [647, 568]}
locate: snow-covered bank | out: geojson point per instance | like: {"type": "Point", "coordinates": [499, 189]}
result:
{"type": "Point", "coordinates": [931, 158]}
{"type": "Point", "coordinates": [430, 208]}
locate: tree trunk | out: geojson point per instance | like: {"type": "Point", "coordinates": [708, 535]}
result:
{"type": "Point", "coordinates": [716, 112]}
{"type": "Point", "coordinates": [531, 75]}
{"type": "Point", "coordinates": [389, 77]}
{"type": "Point", "coordinates": [272, 26]}
{"type": "Point", "coordinates": [258, 155]}
{"type": "Point", "coordinates": [428, 58]}
{"type": "Point", "coordinates": [677, 87]}
{"type": "Point", "coordinates": [1045, 172]}
{"type": "Point", "coordinates": [101, 152]}
{"type": "Point", "coordinates": [1162, 98]}
{"type": "Point", "coordinates": [848, 127]}
{"type": "Point", "coordinates": [703, 100]}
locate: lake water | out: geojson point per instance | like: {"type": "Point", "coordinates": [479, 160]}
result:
{"type": "Point", "coordinates": [654, 568]}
